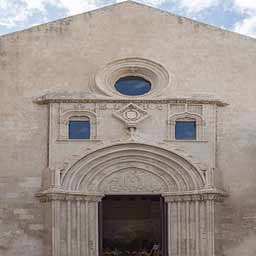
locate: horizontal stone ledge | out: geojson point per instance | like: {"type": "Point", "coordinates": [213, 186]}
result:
{"type": "Point", "coordinates": [81, 98]}
{"type": "Point", "coordinates": [196, 195]}
{"type": "Point", "coordinates": [61, 195]}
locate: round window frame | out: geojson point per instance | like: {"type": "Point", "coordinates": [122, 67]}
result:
{"type": "Point", "coordinates": [151, 71]}
{"type": "Point", "coordinates": [149, 84]}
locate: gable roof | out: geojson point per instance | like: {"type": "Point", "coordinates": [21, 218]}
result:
{"type": "Point", "coordinates": [122, 6]}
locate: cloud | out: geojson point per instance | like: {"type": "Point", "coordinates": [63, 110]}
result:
{"type": "Point", "coordinates": [246, 27]}
{"type": "Point", "coordinates": [11, 12]}
{"type": "Point", "coordinates": [17, 12]}
{"type": "Point", "coordinates": [155, 2]}
{"type": "Point", "coordinates": [190, 6]}
{"type": "Point", "coordinates": [148, 2]}
{"type": "Point", "coordinates": [195, 6]}
{"type": "Point", "coordinates": [247, 6]}
{"type": "Point", "coordinates": [78, 6]}
{"type": "Point", "coordinates": [34, 5]}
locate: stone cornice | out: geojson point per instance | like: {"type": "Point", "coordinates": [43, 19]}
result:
{"type": "Point", "coordinates": [90, 98]}
{"type": "Point", "coordinates": [61, 195]}
{"type": "Point", "coordinates": [197, 195]}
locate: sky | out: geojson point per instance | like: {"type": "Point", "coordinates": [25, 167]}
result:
{"type": "Point", "coordinates": [233, 15]}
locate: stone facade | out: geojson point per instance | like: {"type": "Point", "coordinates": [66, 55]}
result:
{"type": "Point", "coordinates": [51, 186]}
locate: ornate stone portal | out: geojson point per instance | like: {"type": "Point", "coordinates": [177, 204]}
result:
{"type": "Point", "coordinates": [132, 168]}
{"type": "Point", "coordinates": [149, 161]}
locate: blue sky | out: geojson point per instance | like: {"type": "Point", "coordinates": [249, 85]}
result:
{"type": "Point", "coordinates": [234, 15]}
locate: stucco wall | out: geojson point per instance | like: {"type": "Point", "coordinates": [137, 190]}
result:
{"type": "Point", "coordinates": [65, 55]}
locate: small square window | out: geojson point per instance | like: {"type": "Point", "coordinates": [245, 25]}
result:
{"type": "Point", "coordinates": [79, 129]}
{"type": "Point", "coordinates": [185, 130]}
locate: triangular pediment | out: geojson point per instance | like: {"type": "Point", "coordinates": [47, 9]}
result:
{"type": "Point", "coordinates": [125, 8]}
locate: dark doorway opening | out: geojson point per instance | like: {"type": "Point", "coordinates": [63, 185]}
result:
{"type": "Point", "coordinates": [133, 226]}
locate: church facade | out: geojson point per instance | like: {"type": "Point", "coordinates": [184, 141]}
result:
{"type": "Point", "coordinates": [127, 131]}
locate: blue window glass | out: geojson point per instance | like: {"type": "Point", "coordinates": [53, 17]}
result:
{"type": "Point", "coordinates": [79, 129]}
{"type": "Point", "coordinates": [185, 130]}
{"type": "Point", "coordinates": [133, 86]}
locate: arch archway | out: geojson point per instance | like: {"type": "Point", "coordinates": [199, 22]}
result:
{"type": "Point", "coordinates": [152, 166]}
{"type": "Point", "coordinates": [132, 168]}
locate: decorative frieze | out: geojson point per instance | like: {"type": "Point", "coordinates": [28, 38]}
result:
{"type": "Point", "coordinates": [79, 98]}
{"type": "Point", "coordinates": [133, 180]}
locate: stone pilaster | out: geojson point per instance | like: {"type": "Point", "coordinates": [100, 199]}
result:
{"type": "Point", "coordinates": [191, 222]}
{"type": "Point", "coordinates": [74, 222]}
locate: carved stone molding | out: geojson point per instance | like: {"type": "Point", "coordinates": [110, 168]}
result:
{"type": "Point", "coordinates": [77, 115]}
{"type": "Point", "coordinates": [132, 168]}
{"type": "Point", "coordinates": [155, 73]}
{"type": "Point", "coordinates": [80, 98]}
{"type": "Point", "coordinates": [197, 195]}
{"type": "Point", "coordinates": [133, 180]}
{"type": "Point", "coordinates": [131, 115]}
{"type": "Point", "coordinates": [185, 115]}
{"type": "Point", "coordinates": [91, 171]}
{"type": "Point", "coordinates": [61, 195]}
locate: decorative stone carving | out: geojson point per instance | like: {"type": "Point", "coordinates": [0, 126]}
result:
{"type": "Point", "coordinates": [186, 107]}
{"type": "Point", "coordinates": [187, 116]}
{"type": "Point", "coordinates": [192, 196]}
{"type": "Point", "coordinates": [77, 115]}
{"type": "Point", "coordinates": [132, 168]}
{"type": "Point", "coordinates": [133, 181]}
{"type": "Point", "coordinates": [94, 167]}
{"type": "Point", "coordinates": [131, 115]}
{"type": "Point", "coordinates": [61, 195]}
{"type": "Point", "coordinates": [74, 97]}
{"type": "Point", "coordinates": [128, 168]}
{"type": "Point", "coordinates": [151, 71]}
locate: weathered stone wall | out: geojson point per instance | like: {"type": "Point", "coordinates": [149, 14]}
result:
{"type": "Point", "coordinates": [65, 55]}
{"type": "Point", "coordinates": [21, 216]}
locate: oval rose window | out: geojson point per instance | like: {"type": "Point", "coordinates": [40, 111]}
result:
{"type": "Point", "coordinates": [132, 86]}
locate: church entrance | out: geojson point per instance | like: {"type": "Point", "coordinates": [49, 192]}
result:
{"type": "Point", "coordinates": [133, 226]}
{"type": "Point", "coordinates": [114, 202]}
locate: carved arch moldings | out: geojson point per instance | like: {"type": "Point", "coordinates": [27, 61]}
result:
{"type": "Point", "coordinates": [132, 168]}
{"type": "Point", "coordinates": [77, 115]}
{"type": "Point", "coordinates": [152, 165]}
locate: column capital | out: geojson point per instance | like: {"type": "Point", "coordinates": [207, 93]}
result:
{"type": "Point", "coordinates": [62, 195]}
{"type": "Point", "coordinates": [197, 195]}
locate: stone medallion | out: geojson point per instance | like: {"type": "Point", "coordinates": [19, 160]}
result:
{"type": "Point", "coordinates": [131, 114]}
